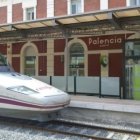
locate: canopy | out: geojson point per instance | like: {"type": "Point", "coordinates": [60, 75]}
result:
{"type": "Point", "coordinates": [90, 23]}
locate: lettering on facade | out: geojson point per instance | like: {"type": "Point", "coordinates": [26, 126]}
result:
{"type": "Point", "coordinates": [104, 42]}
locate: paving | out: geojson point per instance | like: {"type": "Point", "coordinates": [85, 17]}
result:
{"type": "Point", "coordinates": [110, 104]}
{"type": "Point", "coordinates": [110, 111]}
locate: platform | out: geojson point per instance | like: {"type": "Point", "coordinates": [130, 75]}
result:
{"type": "Point", "coordinates": [108, 112]}
{"type": "Point", "coordinates": [106, 104]}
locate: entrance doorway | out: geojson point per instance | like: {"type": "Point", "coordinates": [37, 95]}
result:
{"type": "Point", "coordinates": [29, 64]}
{"type": "Point", "coordinates": [29, 68]}
{"type": "Point", "coordinates": [76, 65]}
{"type": "Point", "coordinates": [132, 70]}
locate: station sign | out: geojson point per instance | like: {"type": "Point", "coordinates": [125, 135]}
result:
{"type": "Point", "coordinates": [104, 42]}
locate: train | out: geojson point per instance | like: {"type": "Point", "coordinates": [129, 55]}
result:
{"type": "Point", "coordinates": [25, 97]}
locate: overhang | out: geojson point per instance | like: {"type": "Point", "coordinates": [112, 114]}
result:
{"type": "Point", "coordinates": [89, 23]}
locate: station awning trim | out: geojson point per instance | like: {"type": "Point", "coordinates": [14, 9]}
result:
{"type": "Point", "coordinates": [127, 18]}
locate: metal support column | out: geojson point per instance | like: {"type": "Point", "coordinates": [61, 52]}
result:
{"type": "Point", "coordinates": [66, 62]}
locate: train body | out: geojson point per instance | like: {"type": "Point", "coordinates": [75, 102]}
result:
{"type": "Point", "coordinates": [24, 97]}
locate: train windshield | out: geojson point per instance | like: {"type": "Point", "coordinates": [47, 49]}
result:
{"type": "Point", "coordinates": [4, 66]}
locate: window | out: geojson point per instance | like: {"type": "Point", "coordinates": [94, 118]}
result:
{"type": "Point", "coordinates": [76, 6]}
{"type": "Point", "coordinates": [76, 65]}
{"type": "Point", "coordinates": [132, 69]}
{"type": "Point", "coordinates": [29, 68]}
{"type": "Point", "coordinates": [30, 14]}
{"type": "Point", "coordinates": [134, 2]}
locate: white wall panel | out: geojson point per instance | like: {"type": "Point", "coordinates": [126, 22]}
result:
{"type": "Point", "coordinates": [50, 8]}
{"type": "Point", "coordinates": [103, 4]}
{"type": "Point", "coordinates": [29, 3]}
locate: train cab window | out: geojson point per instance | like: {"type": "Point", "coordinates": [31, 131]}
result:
{"type": "Point", "coordinates": [76, 66]}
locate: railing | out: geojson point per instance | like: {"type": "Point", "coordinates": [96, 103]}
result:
{"type": "Point", "coordinates": [99, 86]}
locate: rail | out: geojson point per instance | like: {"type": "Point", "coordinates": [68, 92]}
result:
{"type": "Point", "coordinates": [71, 129]}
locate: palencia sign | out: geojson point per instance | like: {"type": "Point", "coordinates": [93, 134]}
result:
{"type": "Point", "coordinates": [114, 41]}
{"type": "Point", "coordinates": [104, 42]}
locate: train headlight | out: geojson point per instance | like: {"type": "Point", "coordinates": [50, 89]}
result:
{"type": "Point", "coordinates": [23, 89]}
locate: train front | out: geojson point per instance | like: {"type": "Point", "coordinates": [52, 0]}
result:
{"type": "Point", "coordinates": [42, 101]}
{"type": "Point", "coordinates": [29, 98]}
{"type": "Point", "coordinates": [48, 97]}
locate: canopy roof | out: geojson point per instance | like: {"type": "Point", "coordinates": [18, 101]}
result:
{"type": "Point", "coordinates": [127, 18]}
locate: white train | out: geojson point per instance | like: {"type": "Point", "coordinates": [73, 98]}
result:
{"type": "Point", "coordinates": [24, 97]}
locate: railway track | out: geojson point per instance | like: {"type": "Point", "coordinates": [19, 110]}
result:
{"type": "Point", "coordinates": [98, 132]}
{"type": "Point", "coordinates": [75, 131]}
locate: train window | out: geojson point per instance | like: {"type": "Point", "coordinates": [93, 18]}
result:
{"type": "Point", "coordinates": [23, 89]}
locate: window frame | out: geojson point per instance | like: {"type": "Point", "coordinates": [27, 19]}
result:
{"type": "Point", "coordinates": [79, 6]}
{"type": "Point", "coordinates": [30, 13]}
{"type": "Point", "coordinates": [134, 2]}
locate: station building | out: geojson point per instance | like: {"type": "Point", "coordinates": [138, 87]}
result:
{"type": "Point", "coordinates": [72, 37]}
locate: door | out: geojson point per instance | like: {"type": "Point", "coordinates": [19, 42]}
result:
{"type": "Point", "coordinates": [30, 64]}
{"type": "Point", "coordinates": [132, 70]}
{"type": "Point", "coordinates": [76, 63]}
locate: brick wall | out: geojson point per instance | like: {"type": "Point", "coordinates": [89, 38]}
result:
{"type": "Point", "coordinates": [60, 7]}
{"type": "Point", "coordinates": [41, 46]}
{"type": "Point", "coordinates": [116, 64]}
{"type": "Point", "coordinates": [16, 63]}
{"type": "Point", "coordinates": [41, 9]}
{"type": "Point", "coordinates": [17, 14]}
{"type": "Point", "coordinates": [42, 66]}
{"type": "Point", "coordinates": [3, 49]}
{"type": "Point", "coordinates": [94, 65]}
{"type": "Point", "coordinates": [3, 15]}
{"type": "Point", "coordinates": [16, 47]}
{"type": "Point", "coordinates": [59, 45]}
{"type": "Point", "coordinates": [116, 3]}
{"type": "Point", "coordinates": [91, 5]}
{"type": "Point", "coordinates": [58, 65]}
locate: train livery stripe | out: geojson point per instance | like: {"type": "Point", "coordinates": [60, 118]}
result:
{"type": "Point", "coordinates": [19, 103]}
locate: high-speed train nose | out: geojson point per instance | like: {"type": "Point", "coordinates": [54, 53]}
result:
{"type": "Point", "coordinates": [53, 98]}
{"type": "Point", "coordinates": [62, 99]}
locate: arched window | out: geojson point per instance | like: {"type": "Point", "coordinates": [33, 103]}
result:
{"type": "Point", "coordinates": [29, 61]}
{"type": "Point", "coordinates": [76, 63]}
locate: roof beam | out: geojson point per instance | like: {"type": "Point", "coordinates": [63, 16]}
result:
{"type": "Point", "coordinates": [114, 20]}
{"type": "Point", "coordinates": [64, 28]}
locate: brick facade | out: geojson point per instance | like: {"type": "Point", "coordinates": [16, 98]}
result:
{"type": "Point", "coordinates": [93, 44]}
{"type": "Point", "coordinates": [42, 66]}
{"type": "Point", "coordinates": [3, 15]}
{"type": "Point", "coordinates": [91, 5]}
{"type": "Point", "coordinates": [60, 7]}
{"type": "Point", "coordinates": [116, 3]}
{"type": "Point", "coordinates": [116, 64]}
{"type": "Point", "coordinates": [41, 9]}
{"type": "Point", "coordinates": [94, 68]}
{"type": "Point", "coordinates": [3, 49]}
{"type": "Point", "coordinates": [58, 66]}
{"type": "Point", "coordinates": [41, 46]}
{"type": "Point", "coordinates": [16, 47]}
{"type": "Point", "coordinates": [17, 16]}
{"type": "Point", "coordinates": [59, 45]}
{"type": "Point", "coordinates": [16, 63]}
